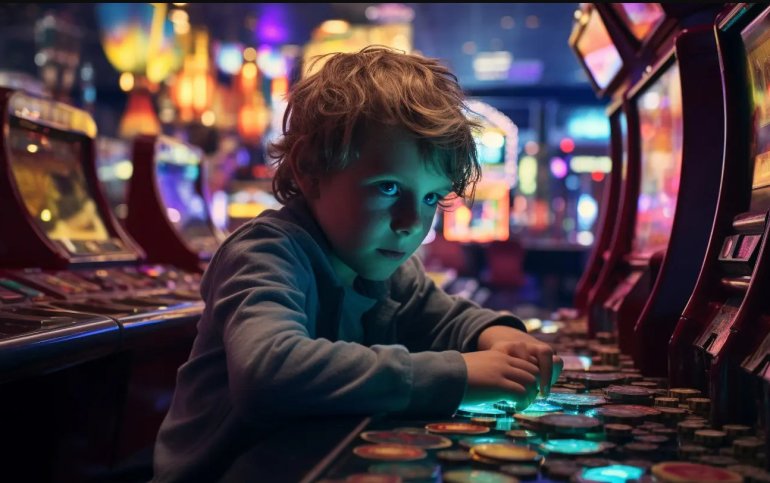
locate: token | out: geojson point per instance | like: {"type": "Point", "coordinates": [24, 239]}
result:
{"type": "Point", "coordinates": [477, 476]}
{"type": "Point", "coordinates": [717, 460]}
{"type": "Point", "coordinates": [421, 440]}
{"type": "Point", "coordinates": [576, 401]}
{"type": "Point", "coordinates": [391, 452]}
{"type": "Point", "coordinates": [609, 472]}
{"type": "Point", "coordinates": [593, 462]}
{"type": "Point", "coordinates": [669, 402]}
{"type": "Point", "coordinates": [468, 443]}
{"type": "Point", "coordinates": [407, 471]}
{"type": "Point", "coordinates": [569, 423]}
{"type": "Point", "coordinates": [479, 411]}
{"type": "Point", "coordinates": [571, 447]}
{"type": "Point", "coordinates": [736, 431]}
{"type": "Point", "coordinates": [506, 452]}
{"type": "Point", "coordinates": [487, 421]}
{"type": "Point", "coordinates": [453, 456]}
{"type": "Point", "coordinates": [523, 472]}
{"type": "Point", "coordinates": [691, 452]}
{"type": "Point", "coordinates": [456, 428]}
{"type": "Point", "coordinates": [520, 434]}
{"type": "Point", "coordinates": [711, 438]}
{"type": "Point", "coordinates": [629, 394]}
{"type": "Point", "coordinates": [560, 469]}
{"type": "Point", "coordinates": [617, 413]}
{"type": "Point", "coordinates": [683, 393]}
{"type": "Point", "coordinates": [677, 471]}
{"type": "Point", "coordinates": [652, 438]}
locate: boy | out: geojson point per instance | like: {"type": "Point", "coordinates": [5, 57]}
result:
{"type": "Point", "coordinates": [320, 308]}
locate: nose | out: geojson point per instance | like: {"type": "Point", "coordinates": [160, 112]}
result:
{"type": "Point", "coordinates": [405, 216]}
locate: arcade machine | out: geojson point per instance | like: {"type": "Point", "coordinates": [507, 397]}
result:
{"type": "Point", "coordinates": [667, 206]}
{"type": "Point", "coordinates": [168, 203]}
{"type": "Point", "coordinates": [722, 340]}
{"type": "Point", "coordinates": [602, 61]}
{"type": "Point", "coordinates": [70, 253]}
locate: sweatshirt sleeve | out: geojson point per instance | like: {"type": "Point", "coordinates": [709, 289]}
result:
{"type": "Point", "coordinates": [260, 293]}
{"type": "Point", "coordinates": [431, 319]}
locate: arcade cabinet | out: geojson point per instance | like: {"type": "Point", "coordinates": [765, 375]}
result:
{"type": "Point", "coordinates": [667, 201]}
{"type": "Point", "coordinates": [62, 243]}
{"type": "Point", "coordinates": [168, 204]}
{"type": "Point", "coordinates": [607, 72]}
{"type": "Point", "coordinates": [722, 340]}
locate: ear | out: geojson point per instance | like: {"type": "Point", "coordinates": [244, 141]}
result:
{"type": "Point", "coordinates": [307, 184]}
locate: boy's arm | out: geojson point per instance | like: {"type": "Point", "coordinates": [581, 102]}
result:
{"type": "Point", "coordinates": [431, 319]}
{"type": "Point", "coordinates": [260, 297]}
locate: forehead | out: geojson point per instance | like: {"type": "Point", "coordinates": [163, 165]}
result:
{"type": "Point", "coordinates": [393, 150]}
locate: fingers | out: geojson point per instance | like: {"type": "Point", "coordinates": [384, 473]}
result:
{"type": "Point", "coordinates": [558, 366]}
{"type": "Point", "coordinates": [545, 362]}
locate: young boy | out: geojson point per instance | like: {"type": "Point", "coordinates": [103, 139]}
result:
{"type": "Point", "coordinates": [320, 308]}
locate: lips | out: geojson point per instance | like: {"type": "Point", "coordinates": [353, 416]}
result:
{"type": "Point", "coordinates": [391, 254]}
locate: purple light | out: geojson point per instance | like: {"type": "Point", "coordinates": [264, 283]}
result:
{"type": "Point", "coordinates": [272, 25]}
{"type": "Point", "coordinates": [559, 167]}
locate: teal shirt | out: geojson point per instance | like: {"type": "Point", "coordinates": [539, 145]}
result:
{"type": "Point", "coordinates": [270, 345]}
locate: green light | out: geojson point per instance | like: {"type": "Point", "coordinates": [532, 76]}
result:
{"type": "Point", "coordinates": [613, 473]}
{"type": "Point", "coordinates": [541, 406]}
{"type": "Point", "coordinates": [479, 410]}
{"type": "Point", "coordinates": [571, 446]}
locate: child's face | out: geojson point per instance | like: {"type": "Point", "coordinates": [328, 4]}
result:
{"type": "Point", "coordinates": [378, 210]}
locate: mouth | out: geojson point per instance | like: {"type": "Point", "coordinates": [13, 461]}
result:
{"type": "Point", "coordinates": [391, 254]}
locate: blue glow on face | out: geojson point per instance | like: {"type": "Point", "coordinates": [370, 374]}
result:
{"type": "Point", "coordinates": [613, 473]}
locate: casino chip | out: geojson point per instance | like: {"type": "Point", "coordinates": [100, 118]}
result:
{"type": "Point", "coordinates": [390, 452]}
{"type": "Point", "coordinates": [370, 478]}
{"type": "Point", "coordinates": [456, 428]}
{"type": "Point", "coordinates": [421, 440]}
{"type": "Point", "coordinates": [453, 456]}
{"type": "Point", "coordinates": [522, 472]}
{"type": "Point", "coordinates": [477, 476]}
{"type": "Point", "coordinates": [509, 453]}
{"type": "Point", "coordinates": [569, 424]}
{"type": "Point", "coordinates": [468, 443]}
{"type": "Point", "coordinates": [572, 447]}
{"type": "Point", "coordinates": [678, 471]}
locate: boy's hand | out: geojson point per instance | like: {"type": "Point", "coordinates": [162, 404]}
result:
{"type": "Point", "coordinates": [522, 345]}
{"type": "Point", "coordinates": [494, 375]}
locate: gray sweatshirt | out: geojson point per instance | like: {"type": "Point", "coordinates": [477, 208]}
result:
{"type": "Point", "coordinates": [268, 346]}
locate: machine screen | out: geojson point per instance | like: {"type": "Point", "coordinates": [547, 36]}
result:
{"type": "Point", "coordinates": [486, 220]}
{"type": "Point", "coordinates": [177, 170]}
{"type": "Point", "coordinates": [756, 40]}
{"type": "Point", "coordinates": [599, 53]}
{"type": "Point", "coordinates": [660, 125]}
{"type": "Point", "coordinates": [114, 168]}
{"type": "Point", "coordinates": [47, 167]}
{"type": "Point", "coordinates": [640, 18]}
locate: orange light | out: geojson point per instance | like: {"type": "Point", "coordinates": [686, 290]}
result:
{"type": "Point", "coordinates": [139, 116]}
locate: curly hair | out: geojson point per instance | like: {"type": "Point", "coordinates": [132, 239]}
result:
{"type": "Point", "coordinates": [328, 111]}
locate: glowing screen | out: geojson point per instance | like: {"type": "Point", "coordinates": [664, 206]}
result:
{"type": "Point", "coordinates": [114, 168]}
{"type": "Point", "coordinates": [177, 171]}
{"type": "Point", "coordinates": [756, 40]}
{"type": "Point", "coordinates": [660, 124]}
{"type": "Point", "coordinates": [486, 220]}
{"type": "Point", "coordinates": [640, 18]}
{"type": "Point", "coordinates": [47, 167]}
{"type": "Point", "coordinates": [599, 53]}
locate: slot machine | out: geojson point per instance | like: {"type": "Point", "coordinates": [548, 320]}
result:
{"type": "Point", "coordinates": [608, 73]}
{"type": "Point", "coordinates": [168, 203]}
{"type": "Point", "coordinates": [668, 203]}
{"type": "Point", "coordinates": [63, 249]}
{"type": "Point", "coordinates": [722, 338]}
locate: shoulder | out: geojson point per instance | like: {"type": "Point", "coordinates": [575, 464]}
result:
{"type": "Point", "coordinates": [409, 278]}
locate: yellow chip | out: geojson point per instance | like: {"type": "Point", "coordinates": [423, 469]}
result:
{"type": "Point", "coordinates": [505, 452]}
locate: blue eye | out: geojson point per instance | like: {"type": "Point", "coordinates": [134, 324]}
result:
{"type": "Point", "coordinates": [432, 199]}
{"type": "Point", "coordinates": [388, 188]}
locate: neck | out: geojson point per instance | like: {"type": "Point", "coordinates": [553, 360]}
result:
{"type": "Point", "coordinates": [346, 274]}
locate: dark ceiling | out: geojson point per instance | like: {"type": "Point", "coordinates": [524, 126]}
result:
{"type": "Point", "coordinates": [535, 34]}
